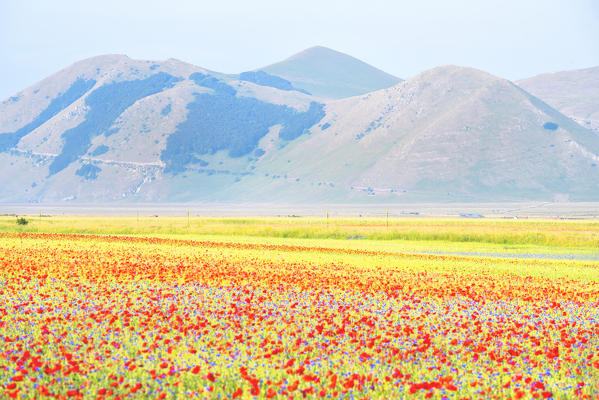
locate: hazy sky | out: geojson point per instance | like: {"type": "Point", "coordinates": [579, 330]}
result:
{"type": "Point", "coordinates": [509, 38]}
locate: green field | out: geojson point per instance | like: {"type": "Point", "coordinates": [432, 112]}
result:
{"type": "Point", "coordinates": [394, 234]}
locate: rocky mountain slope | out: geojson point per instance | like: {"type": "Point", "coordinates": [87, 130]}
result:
{"type": "Point", "coordinates": [574, 93]}
{"type": "Point", "coordinates": [115, 129]}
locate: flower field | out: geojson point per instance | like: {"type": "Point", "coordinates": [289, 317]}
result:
{"type": "Point", "coordinates": [115, 317]}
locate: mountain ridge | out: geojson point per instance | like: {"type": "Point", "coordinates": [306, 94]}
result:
{"type": "Point", "coordinates": [139, 130]}
{"type": "Point", "coordinates": [380, 136]}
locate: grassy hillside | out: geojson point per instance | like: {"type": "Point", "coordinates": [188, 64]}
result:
{"type": "Point", "coordinates": [449, 134]}
{"type": "Point", "coordinates": [330, 74]}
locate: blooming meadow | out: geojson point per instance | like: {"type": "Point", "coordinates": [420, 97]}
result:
{"type": "Point", "coordinates": [116, 317]}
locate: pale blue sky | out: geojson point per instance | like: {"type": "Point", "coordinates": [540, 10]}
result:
{"type": "Point", "coordinates": [509, 38]}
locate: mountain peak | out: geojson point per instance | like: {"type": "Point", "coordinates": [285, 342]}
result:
{"type": "Point", "coordinates": [318, 51]}
{"type": "Point", "coordinates": [458, 70]}
{"type": "Point", "coordinates": [101, 60]}
{"type": "Point", "coordinates": [328, 73]}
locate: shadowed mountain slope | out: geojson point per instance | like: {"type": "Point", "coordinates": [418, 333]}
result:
{"type": "Point", "coordinates": [104, 127]}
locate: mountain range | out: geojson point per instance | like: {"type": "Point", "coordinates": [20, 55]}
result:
{"type": "Point", "coordinates": [320, 126]}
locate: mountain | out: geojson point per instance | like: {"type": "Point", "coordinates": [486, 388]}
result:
{"type": "Point", "coordinates": [111, 128]}
{"type": "Point", "coordinates": [330, 74]}
{"type": "Point", "coordinates": [574, 93]}
{"type": "Point", "coordinates": [448, 134]}
{"type": "Point", "coordinates": [105, 127]}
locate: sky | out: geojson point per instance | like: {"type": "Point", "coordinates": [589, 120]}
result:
{"type": "Point", "coordinates": [509, 38]}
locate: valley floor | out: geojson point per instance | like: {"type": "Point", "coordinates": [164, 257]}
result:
{"type": "Point", "coordinates": [503, 210]}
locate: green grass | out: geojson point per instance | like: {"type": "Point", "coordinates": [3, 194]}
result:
{"type": "Point", "coordinates": [402, 234]}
